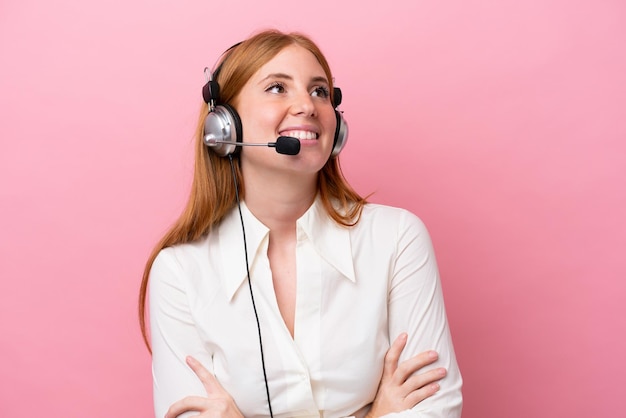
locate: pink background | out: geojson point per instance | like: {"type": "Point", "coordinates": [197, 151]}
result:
{"type": "Point", "coordinates": [500, 123]}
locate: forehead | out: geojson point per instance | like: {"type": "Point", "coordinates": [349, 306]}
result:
{"type": "Point", "coordinates": [293, 60]}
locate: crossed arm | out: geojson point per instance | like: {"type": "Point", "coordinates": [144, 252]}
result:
{"type": "Point", "coordinates": [401, 387]}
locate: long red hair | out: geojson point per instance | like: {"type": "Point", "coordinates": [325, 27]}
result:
{"type": "Point", "coordinates": [212, 191]}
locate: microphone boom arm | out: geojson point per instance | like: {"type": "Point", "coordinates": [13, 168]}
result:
{"type": "Point", "coordinates": [287, 145]}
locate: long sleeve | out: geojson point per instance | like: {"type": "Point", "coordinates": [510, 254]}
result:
{"type": "Point", "coordinates": [174, 335]}
{"type": "Point", "coordinates": [416, 306]}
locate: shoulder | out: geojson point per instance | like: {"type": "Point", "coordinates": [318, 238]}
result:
{"type": "Point", "coordinates": [390, 227]}
{"type": "Point", "coordinates": [376, 215]}
{"type": "Point", "coordinates": [390, 236]}
{"type": "Point", "coordinates": [185, 257]}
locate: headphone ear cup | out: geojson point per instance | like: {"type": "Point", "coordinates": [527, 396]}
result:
{"type": "Point", "coordinates": [341, 134]}
{"type": "Point", "coordinates": [222, 124]}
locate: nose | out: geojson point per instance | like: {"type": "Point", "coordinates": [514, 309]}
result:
{"type": "Point", "coordinates": [303, 104]}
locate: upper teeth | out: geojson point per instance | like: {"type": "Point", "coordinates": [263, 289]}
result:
{"type": "Point", "coordinates": [301, 134]}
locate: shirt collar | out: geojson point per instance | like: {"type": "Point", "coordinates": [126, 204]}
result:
{"type": "Point", "coordinates": [330, 240]}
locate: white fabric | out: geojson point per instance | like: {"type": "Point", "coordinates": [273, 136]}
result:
{"type": "Point", "coordinates": [358, 288]}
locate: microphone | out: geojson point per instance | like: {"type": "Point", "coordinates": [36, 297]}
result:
{"type": "Point", "coordinates": [287, 145]}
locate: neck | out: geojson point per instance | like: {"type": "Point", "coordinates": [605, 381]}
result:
{"type": "Point", "coordinates": [278, 202]}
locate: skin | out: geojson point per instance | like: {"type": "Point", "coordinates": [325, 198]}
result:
{"type": "Point", "coordinates": [288, 96]}
{"type": "Point", "coordinates": [401, 387]}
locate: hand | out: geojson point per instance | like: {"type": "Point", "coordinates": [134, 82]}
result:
{"type": "Point", "coordinates": [217, 404]}
{"type": "Point", "coordinates": [400, 387]}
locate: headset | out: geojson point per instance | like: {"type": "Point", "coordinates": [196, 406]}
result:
{"type": "Point", "coordinates": [222, 126]}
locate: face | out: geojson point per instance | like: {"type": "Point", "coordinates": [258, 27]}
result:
{"type": "Point", "coordinates": [288, 96]}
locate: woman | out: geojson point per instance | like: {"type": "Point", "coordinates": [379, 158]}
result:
{"type": "Point", "coordinates": [303, 299]}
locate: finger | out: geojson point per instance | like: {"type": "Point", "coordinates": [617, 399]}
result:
{"type": "Point", "coordinates": [419, 380]}
{"type": "Point", "coordinates": [413, 364]}
{"type": "Point", "coordinates": [190, 403]}
{"type": "Point", "coordinates": [420, 394]}
{"type": "Point", "coordinates": [393, 355]}
{"type": "Point", "coordinates": [211, 385]}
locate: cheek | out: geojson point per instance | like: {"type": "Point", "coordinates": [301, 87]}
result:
{"type": "Point", "coordinates": [252, 127]}
{"type": "Point", "coordinates": [330, 121]}
{"type": "Point", "coordinates": [260, 121]}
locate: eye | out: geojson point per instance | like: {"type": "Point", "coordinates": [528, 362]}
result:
{"type": "Point", "coordinates": [321, 91]}
{"type": "Point", "coordinates": [276, 88]}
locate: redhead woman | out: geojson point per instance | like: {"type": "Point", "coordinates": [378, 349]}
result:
{"type": "Point", "coordinates": [280, 291]}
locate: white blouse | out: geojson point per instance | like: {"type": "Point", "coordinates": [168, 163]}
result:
{"type": "Point", "coordinates": [358, 288]}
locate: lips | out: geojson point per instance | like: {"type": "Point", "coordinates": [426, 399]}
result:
{"type": "Point", "coordinates": [300, 134]}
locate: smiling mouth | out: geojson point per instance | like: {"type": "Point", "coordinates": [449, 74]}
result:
{"type": "Point", "coordinates": [301, 134]}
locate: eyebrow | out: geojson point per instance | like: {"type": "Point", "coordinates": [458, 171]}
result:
{"type": "Point", "coordinates": [318, 79]}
